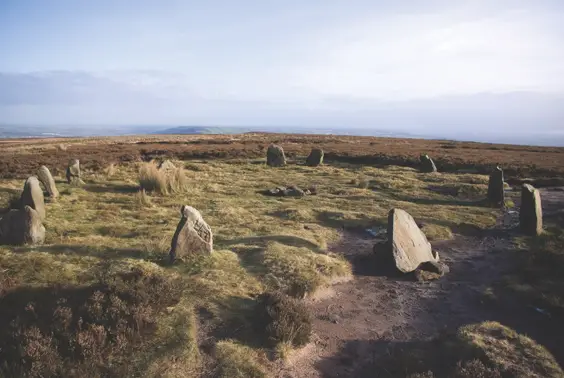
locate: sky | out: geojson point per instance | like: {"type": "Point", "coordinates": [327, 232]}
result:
{"type": "Point", "coordinates": [409, 64]}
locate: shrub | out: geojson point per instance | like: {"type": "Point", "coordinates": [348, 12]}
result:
{"type": "Point", "coordinates": [165, 182]}
{"type": "Point", "coordinates": [284, 319]}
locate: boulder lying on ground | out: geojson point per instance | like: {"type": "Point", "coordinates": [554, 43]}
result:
{"type": "Point", "coordinates": [193, 235]}
{"type": "Point", "coordinates": [291, 191]}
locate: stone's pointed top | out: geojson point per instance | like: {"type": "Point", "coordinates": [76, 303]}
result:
{"type": "Point", "coordinates": [48, 182]}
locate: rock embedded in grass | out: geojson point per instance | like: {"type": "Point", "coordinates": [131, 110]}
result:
{"type": "Point", "coordinates": [193, 235]}
{"type": "Point", "coordinates": [73, 173]}
{"type": "Point", "coordinates": [315, 157]}
{"type": "Point", "coordinates": [530, 214]}
{"type": "Point", "coordinates": [22, 226]}
{"type": "Point", "coordinates": [32, 196]}
{"type": "Point", "coordinates": [496, 194]}
{"type": "Point", "coordinates": [427, 164]}
{"type": "Point", "coordinates": [275, 156]}
{"type": "Point", "coordinates": [44, 175]}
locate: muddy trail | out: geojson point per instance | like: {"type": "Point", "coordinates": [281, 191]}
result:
{"type": "Point", "coordinates": [370, 314]}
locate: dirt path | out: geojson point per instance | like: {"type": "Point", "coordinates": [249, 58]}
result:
{"type": "Point", "coordinates": [351, 326]}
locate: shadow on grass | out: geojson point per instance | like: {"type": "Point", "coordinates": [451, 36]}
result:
{"type": "Point", "coordinates": [111, 188]}
{"type": "Point", "coordinates": [359, 226]}
{"type": "Point", "coordinates": [289, 240]}
{"type": "Point", "coordinates": [446, 201]}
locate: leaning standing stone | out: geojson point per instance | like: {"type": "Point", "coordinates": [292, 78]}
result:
{"type": "Point", "coordinates": [408, 244]}
{"type": "Point", "coordinates": [530, 215]}
{"type": "Point", "coordinates": [32, 196]}
{"type": "Point", "coordinates": [73, 172]}
{"type": "Point", "coordinates": [21, 226]}
{"type": "Point", "coordinates": [496, 193]}
{"type": "Point", "coordinates": [315, 157]}
{"type": "Point", "coordinates": [275, 156]}
{"type": "Point", "coordinates": [427, 164]}
{"type": "Point", "coordinates": [44, 175]}
{"type": "Point", "coordinates": [192, 236]}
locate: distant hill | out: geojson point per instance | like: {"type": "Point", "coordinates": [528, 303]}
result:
{"type": "Point", "coordinates": [203, 130]}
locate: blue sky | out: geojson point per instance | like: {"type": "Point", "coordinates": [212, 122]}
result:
{"type": "Point", "coordinates": [357, 62]}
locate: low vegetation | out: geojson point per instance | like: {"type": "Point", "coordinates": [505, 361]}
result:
{"type": "Point", "coordinates": [100, 298]}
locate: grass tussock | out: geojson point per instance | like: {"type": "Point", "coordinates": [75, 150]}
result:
{"type": "Point", "coordinates": [142, 198]}
{"type": "Point", "coordinates": [283, 319]}
{"type": "Point", "coordinates": [164, 182]}
{"type": "Point", "coordinates": [238, 361]}
{"type": "Point", "coordinates": [110, 170]}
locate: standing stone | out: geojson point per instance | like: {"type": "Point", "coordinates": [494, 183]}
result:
{"type": "Point", "coordinates": [46, 179]}
{"type": "Point", "coordinates": [192, 236]}
{"type": "Point", "coordinates": [530, 215]}
{"type": "Point", "coordinates": [315, 157]}
{"type": "Point", "coordinates": [427, 164]}
{"type": "Point", "coordinates": [73, 172]}
{"type": "Point", "coordinates": [21, 226]}
{"type": "Point", "coordinates": [407, 242]}
{"type": "Point", "coordinates": [32, 196]}
{"type": "Point", "coordinates": [496, 194]}
{"type": "Point", "coordinates": [275, 156]}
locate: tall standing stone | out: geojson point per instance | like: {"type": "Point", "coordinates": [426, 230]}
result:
{"type": "Point", "coordinates": [44, 175]}
{"type": "Point", "coordinates": [315, 157]}
{"type": "Point", "coordinates": [73, 172]}
{"type": "Point", "coordinates": [32, 196]}
{"type": "Point", "coordinates": [193, 235]}
{"type": "Point", "coordinates": [275, 156]}
{"type": "Point", "coordinates": [427, 164]}
{"type": "Point", "coordinates": [21, 226]}
{"type": "Point", "coordinates": [496, 194]}
{"type": "Point", "coordinates": [408, 244]}
{"type": "Point", "coordinates": [530, 214]}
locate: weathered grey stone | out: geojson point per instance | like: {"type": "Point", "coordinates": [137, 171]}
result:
{"type": "Point", "coordinates": [32, 196]}
{"type": "Point", "coordinates": [427, 164]}
{"type": "Point", "coordinates": [315, 157]}
{"type": "Point", "coordinates": [44, 175]}
{"type": "Point", "coordinates": [275, 156]}
{"type": "Point", "coordinates": [73, 173]}
{"type": "Point", "coordinates": [294, 191]}
{"type": "Point", "coordinates": [496, 194]}
{"type": "Point", "coordinates": [21, 226]}
{"type": "Point", "coordinates": [530, 214]}
{"type": "Point", "coordinates": [193, 235]}
{"type": "Point", "coordinates": [408, 244]}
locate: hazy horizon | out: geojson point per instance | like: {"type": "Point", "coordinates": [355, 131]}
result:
{"type": "Point", "coordinates": [438, 68]}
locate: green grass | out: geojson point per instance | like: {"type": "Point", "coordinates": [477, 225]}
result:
{"type": "Point", "coordinates": [261, 243]}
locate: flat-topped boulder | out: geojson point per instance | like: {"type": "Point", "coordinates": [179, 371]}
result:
{"type": "Point", "coordinates": [193, 235]}
{"type": "Point", "coordinates": [32, 196]}
{"type": "Point", "coordinates": [530, 214]}
{"type": "Point", "coordinates": [73, 173]}
{"type": "Point", "coordinates": [427, 164]}
{"type": "Point", "coordinates": [44, 175]}
{"type": "Point", "coordinates": [21, 226]}
{"type": "Point", "coordinates": [315, 157]}
{"type": "Point", "coordinates": [496, 194]}
{"type": "Point", "coordinates": [408, 244]}
{"type": "Point", "coordinates": [275, 156]}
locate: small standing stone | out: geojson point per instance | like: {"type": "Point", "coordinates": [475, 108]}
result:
{"type": "Point", "coordinates": [73, 172]}
{"type": "Point", "coordinates": [32, 196]}
{"type": "Point", "coordinates": [21, 226]}
{"type": "Point", "coordinates": [407, 243]}
{"type": "Point", "coordinates": [496, 194]}
{"type": "Point", "coordinates": [530, 214]}
{"type": "Point", "coordinates": [275, 156]}
{"type": "Point", "coordinates": [427, 164]}
{"type": "Point", "coordinates": [44, 175]}
{"type": "Point", "coordinates": [315, 157]}
{"type": "Point", "coordinates": [193, 235]}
